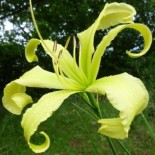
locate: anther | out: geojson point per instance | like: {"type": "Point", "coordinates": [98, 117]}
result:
{"type": "Point", "coordinates": [55, 63]}
{"type": "Point", "coordinates": [60, 53]}
{"type": "Point", "coordinates": [67, 42]}
{"type": "Point", "coordinates": [55, 46]}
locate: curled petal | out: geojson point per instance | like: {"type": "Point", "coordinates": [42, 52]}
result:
{"type": "Point", "coordinates": [38, 113]}
{"type": "Point", "coordinates": [116, 13]}
{"type": "Point", "coordinates": [144, 30]}
{"type": "Point", "coordinates": [42, 147]}
{"type": "Point", "coordinates": [30, 50]}
{"type": "Point", "coordinates": [147, 35]}
{"type": "Point", "coordinates": [112, 14]}
{"type": "Point", "coordinates": [15, 98]}
{"type": "Point", "coordinates": [112, 128]}
{"type": "Point", "coordinates": [127, 94]}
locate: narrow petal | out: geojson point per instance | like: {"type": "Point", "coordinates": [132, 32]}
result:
{"type": "Point", "coordinates": [144, 30]}
{"type": "Point", "coordinates": [112, 14]}
{"type": "Point", "coordinates": [147, 35]}
{"type": "Point", "coordinates": [38, 113]}
{"type": "Point", "coordinates": [126, 93]}
{"type": "Point", "coordinates": [15, 98]}
{"type": "Point", "coordinates": [37, 77]}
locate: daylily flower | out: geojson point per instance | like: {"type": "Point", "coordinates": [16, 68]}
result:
{"type": "Point", "coordinates": [126, 93]}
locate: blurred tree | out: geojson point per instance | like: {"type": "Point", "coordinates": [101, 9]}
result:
{"type": "Point", "coordinates": [58, 19]}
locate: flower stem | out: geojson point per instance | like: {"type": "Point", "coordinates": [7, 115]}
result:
{"type": "Point", "coordinates": [95, 105]}
{"type": "Point", "coordinates": [124, 147]}
{"type": "Point", "coordinates": [112, 146]}
{"type": "Point", "coordinates": [97, 110]}
{"type": "Point", "coordinates": [90, 137]}
{"type": "Point", "coordinates": [151, 132]}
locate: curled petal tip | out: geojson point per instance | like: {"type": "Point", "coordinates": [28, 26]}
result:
{"type": "Point", "coordinates": [40, 148]}
{"type": "Point", "coordinates": [30, 50]}
{"type": "Point", "coordinates": [38, 113]}
{"type": "Point", "coordinates": [15, 98]}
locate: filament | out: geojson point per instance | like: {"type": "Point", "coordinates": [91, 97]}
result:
{"type": "Point", "coordinates": [74, 48]}
{"type": "Point", "coordinates": [55, 46]}
{"type": "Point", "coordinates": [36, 27]}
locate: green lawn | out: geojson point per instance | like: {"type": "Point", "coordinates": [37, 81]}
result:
{"type": "Point", "coordinates": [70, 135]}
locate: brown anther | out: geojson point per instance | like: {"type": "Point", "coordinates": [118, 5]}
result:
{"type": "Point", "coordinates": [60, 53]}
{"type": "Point", "coordinates": [55, 46]}
{"type": "Point", "coordinates": [55, 63]}
{"type": "Point", "coordinates": [67, 42]}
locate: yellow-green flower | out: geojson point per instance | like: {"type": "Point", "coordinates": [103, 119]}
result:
{"type": "Point", "coordinates": [126, 93]}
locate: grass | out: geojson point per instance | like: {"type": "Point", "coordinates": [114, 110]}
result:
{"type": "Point", "coordinates": [69, 136]}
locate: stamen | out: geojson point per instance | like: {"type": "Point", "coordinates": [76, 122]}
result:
{"type": "Point", "coordinates": [56, 69]}
{"type": "Point", "coordinates": [55, 63]}
{"type": "Point", "coordinates": [63, 79]}
{"type": "Point", "coordinates": [37, 29]}
{"type": "Point", "coordinates": [55, 46]}
{"type": "Point", "coordinates": [67, 42]}
{"type": "Point", "coordinates": [34, 21]}
{"type": "Point", "coordinates": [60, 75]}
{"type": "Point", "coordinates": [60, 53]}
{"type": "Point", "coordinates": [74, 48]}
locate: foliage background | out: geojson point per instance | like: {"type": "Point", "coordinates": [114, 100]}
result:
{"type": "Point", "coordinates": [58, 19]}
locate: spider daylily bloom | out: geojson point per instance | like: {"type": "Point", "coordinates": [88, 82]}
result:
{"type": "Point", "coordinates": [126, 93]}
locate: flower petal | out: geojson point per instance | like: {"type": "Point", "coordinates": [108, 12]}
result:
{"type": "Point", "coordinates": [112, 14]}
{"type": "Point", "coordinates": [37, 77]}
{"type": "Point", "coordinates": [64, 60]}
{"type": "Point", "coordinates": [147, 35]}
{"type": "Point", "coordinates": [112, 128]}
{"type": "Point", "coordinates": [30, 50]}
{"type": "Point", "coordinates": [144, 30]}
{"type": "Point", "coordinates": [15, 98]}
{"type": "Point", "coordinates": [60, 56]}
{"type": "Point", "coordinates": [126, 93]}
{"type": "Point", "coordinates": [38, 113]}
{"type": "Point", "coordinates": [116, 13]}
